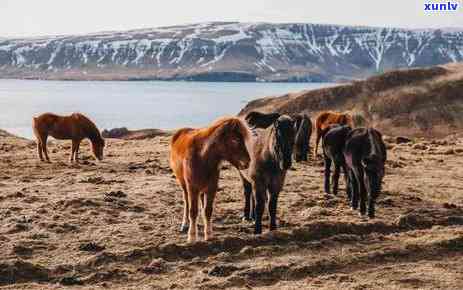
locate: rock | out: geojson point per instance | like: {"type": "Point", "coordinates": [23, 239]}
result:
{"type": "Point", "coordinates": [91, 247]}
{"type": "Point", "coordinates": [420, 146]}
{"type": "Point", "coordinates": [448, 152]}
{"type": "Point", "coordinates": [156, 266]}
{"type": "Point", "coordinates": [222, 270]}
{"type": "Point", "coordinates": [449, 205]}
{"type": "Point", "coordinates": [115, 133]}
{"type": "Point", "coordinates": [70, 281]}
{"type": "Point", "coordinates": [116, 194]}
{"type": "Point", "coordinates": [402, 140]}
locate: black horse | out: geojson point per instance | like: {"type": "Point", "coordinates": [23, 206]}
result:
{"type": "Point", "coordinates": [334, 140]}
{"type": "Point", "coordinates": [270, 159]}
{"type": "Point", "coordinates": [303, 127]}
{"type": "Point", "coordinates": [365, 155]}
{"type": "Point", "coordinates": [261, 120]}
{"type": "Point", "coordinates": [302, 124]}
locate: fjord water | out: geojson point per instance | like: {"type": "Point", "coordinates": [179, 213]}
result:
{"type": "Point", "coordinates": [135, 105]}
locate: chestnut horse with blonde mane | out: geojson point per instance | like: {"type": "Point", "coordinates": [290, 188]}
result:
{"type": "Point", "coordinates": [75, 127]}
{"type": "Point", "coordinates": [327, 118]}
{"type": "Point", "coordinates": [195, 159]}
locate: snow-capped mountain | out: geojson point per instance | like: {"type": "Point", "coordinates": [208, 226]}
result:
{"type": "Point", "coordinates": [230, 51]}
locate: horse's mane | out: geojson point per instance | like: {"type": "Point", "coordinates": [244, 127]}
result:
{"type": "Point", "coordinates": [376, 151]}
{"type": "Point", "coordinates": [94, 133]}
{"type": "Point", "coordinates": [223, 125]}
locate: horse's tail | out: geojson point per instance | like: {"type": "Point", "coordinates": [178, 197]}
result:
{"type": "Point", "coordinates": [35, 128]}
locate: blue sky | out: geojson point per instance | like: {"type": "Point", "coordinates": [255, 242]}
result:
{"type": "Point", "coordinates": [51, 17]}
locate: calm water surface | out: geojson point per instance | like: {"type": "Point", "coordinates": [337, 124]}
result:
{"type": "Point", "coordinates": [135, 105]}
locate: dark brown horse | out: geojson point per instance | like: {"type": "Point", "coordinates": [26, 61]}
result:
{"type": "Point", "coordinates": [302, 124]}
{"type": "Point", "coordinates": [261, 120]}
{"type": "Point", "coordinates": [75, 127]}
{"type": "Point", "coordinates": [365, 155]}
{"type": "Point", "coordinates": [270, 160]}
{"type": "Point", "coordinates": [195, 157]}
{"type": "Point", "coordinates": [333, 144]}
{"type": "Point", "coordinates": [327, 118]}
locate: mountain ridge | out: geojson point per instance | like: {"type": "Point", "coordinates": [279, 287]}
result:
{"type": "Point", "coordinates": [230, 51]}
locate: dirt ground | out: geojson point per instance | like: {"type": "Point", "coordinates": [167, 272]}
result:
{"type": "Point", "coordinates": [115, 225]}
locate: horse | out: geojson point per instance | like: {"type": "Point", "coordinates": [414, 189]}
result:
{"type": "Point", "coordinates": [333, 143]}
{"type": "Point", "coordinates": [195, 158]}
{"type": "Point", "coordinates": [324, 119]}
{"type": "Point", "coordinates": [261, 120]}
{"type": "Point", "coordinates": [365, 155]}
{"type": "Point", "coordinates": [75, 127]}
{"type": "Point", "coordinates": [270, 160]}
{"type": "Point", "coordinates": [303, 127]}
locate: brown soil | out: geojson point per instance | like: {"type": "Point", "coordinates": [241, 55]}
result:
{"type": "Point", "coordinates": [115, 225]}
{"type": "Point", "coordinates": [415, 102]}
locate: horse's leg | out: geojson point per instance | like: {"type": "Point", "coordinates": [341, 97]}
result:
{"type": "Point", "coordinates": [337, 171]}
{"type": "Point", "coordinates": [347, 182]}
{"type": "Point", "coordinates": [371, 206]}
{"type": "Point", "coordinates": [39, 149]}
{"type": "Point", "coordinates": [319, 134]}
{"type": "Point", "coordinates": [259, 195]}
{"type": "Point", "coordinates": [76, 154]}
{"type": "Point", "coordinates": [327, 174]}
{"type": "Point", "coordinates": [73, 150]}
{"type": "Point", "coordinates": [353, 184]}
{"type": "Point", "coordinates": [272, 205]}
{"type": "Point", "coordinates": [209, 207]}
{"type": "Point", "coordinates": [186, 208]}
{"type": "Point", "coordinates": [358, 171]}
{"type": "Point", "coordinates": [193, 196]}
{"type": "Point", "coordinates": [44, 147]}
{"type": "Point", "coordinates": [247, 190]}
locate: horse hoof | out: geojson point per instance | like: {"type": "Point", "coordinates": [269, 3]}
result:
{"type": "Point", "coordinates": [246, 219]}
{"type": "Point", "coordinates": [184, 229]}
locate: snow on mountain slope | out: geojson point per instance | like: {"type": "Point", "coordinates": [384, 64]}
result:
{"type": "Point", "coordinates": [254, 51]}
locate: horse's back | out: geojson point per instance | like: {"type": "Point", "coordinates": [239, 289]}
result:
{"type": "Point", "coordinates": [71, 126]}
{"type": "Point", "coordinates": [44, 122]}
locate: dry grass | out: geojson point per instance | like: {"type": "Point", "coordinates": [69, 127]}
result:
{"type": "Point", "coordinates": [421, 102]}
{"type": "Point", "coordinates": [114, 225]}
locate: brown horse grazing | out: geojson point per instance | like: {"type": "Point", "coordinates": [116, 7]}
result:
{"type": "Point", "coordinates": [75, 127]}
{"type": "Point", "coordinates": [327, 118]}
{"type": "Point", "coordinates": [270, 160]}
{"type": "Point", "coordinates": [195, 159]}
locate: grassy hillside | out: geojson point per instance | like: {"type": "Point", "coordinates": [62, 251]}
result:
{"type": "Point", "coordinates": [416, 102]}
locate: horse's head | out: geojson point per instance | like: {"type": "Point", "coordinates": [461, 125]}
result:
{"type": "Point", "coordinates": [284, 140]}
{"type": "Point", "coordinates": [374, 163]}
{"type": "Point", "coordinates": [261, 120]}
{"type": "Point", "coordinates": [97, 148]}
{"type": "Point", "coordinates": [235, 137]}
{"type": "Point", "coordinates": [374, 173]}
